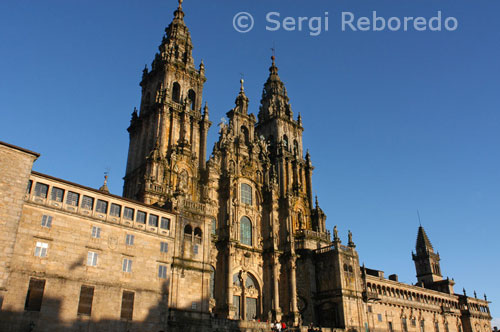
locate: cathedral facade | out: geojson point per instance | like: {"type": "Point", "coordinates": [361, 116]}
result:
{"type": "Point", "coordinates": [228, 242]}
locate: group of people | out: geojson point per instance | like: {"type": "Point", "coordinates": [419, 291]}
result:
{"type": "Point", "coordinates": [278, 326]}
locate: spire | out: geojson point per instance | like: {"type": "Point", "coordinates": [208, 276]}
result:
{"type": "Point", "coordinates": [275, 101]}
{"type": "Point", "coordinates": [242, 100]}
{"type": "Point", "coordinates": [176, 45]}
{"type": "Point", "coordinates": [423, 243]}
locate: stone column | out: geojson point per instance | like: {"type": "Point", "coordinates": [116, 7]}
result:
{"type": "Point", "coordinates": [276, 298]}
{"type": "Point", "coordinates": [293, 290]}
{"type": "Point", "coordinates": [230, 258]}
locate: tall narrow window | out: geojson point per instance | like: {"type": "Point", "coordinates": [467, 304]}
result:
{"type": "Point", "coordinates": [72, 198]}
{"type": "Point", "coordinates": [246, 231]}
{"type": "Point", "coordinates": [127, 305]}
{"type": "Point", "coordinates": [102, 206]}
{"type": "Point", "coordinates": [214, 226]}
{"type": "Point", "coordinates": [176, 92]}
{"type": "Point", "coordinates": [41, 249]}
{"type": "Point", "coordinates": [85, 302]}
{"type": "Point", "coordinates": [390, 327]}
{"type": "Point", "coordinates": [422, 326]}
{"type": "Point", "coordinates": [46, 221]}
{"type": "Point", "coordinates": [246, 194]}
{"type": "Point", "coordinates": [41, 190]}
{"type": "Point", "coordinates": [436, 327]}
{"type": "Point", "coordinates": [129, 240]}
{"type": "Point", "coordinates": [34, 296]}
{"type": "Point", "coordinates": [162, 271]}
{"type": "Point", "coordinates": [192, 98]}
{"type": "Point", "coordinates": [127, 265]}
{"type": "Point", "coordinates": [96, 232]}
{"type": "Point", "coordinates": [57, 194]}
{"type": "Point", "coordinates": [405, 324]}
{"type": "Point", "coordinates": [164, 247]}
{"type": "Point", "coordinates": [92, 258]}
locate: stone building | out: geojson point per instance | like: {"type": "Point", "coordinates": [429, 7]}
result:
{"type": "Point", "coordinates": [224, 243]}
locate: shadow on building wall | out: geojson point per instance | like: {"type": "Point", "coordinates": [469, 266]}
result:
{"type": "Point", "coordinates": [50, 318]}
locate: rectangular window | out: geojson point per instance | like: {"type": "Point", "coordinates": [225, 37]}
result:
{"type": "Point", "coordinates": [85, 302]}
{"type": "Point", "coordinates": [153, 220]}
{"type": "Point", "coordinates": [128, 213]}
{"type": "Point", "coordinates": [46, 221]}
{"type": "Point", "coordinates": [390, 327]}
{"type": "Point", "coordinates": [141, 217]}
{"type": "Point", "coordinates": [436, 327]}
{"type": "Point", "coordinates": [96, 232]}
{"type": "Point", "coordinates": [72, 198]}
{"type": "Point", "coordinates": [57, 194]}
{"type": "Point", "coordinates": [92, 258]}
{"type": "Point", "coordinates": [164, 247]}
{"type": "Point", "coordinates": [35, 295]}
{"type": "Point", "coordinates": [422, 328]}
{"type": "Point", "coordinates": [405, 325]}
{"type": "Point", "coordinates": [41, 249]}
{"type": "Point", "coordinates": [413, 322]}
{"type": "Point", "coordinates": [194, 305]}
{"type": "Point", "coordinates": [165, 223]}
{"type": "Point", "coordinates": [102, 206]}
{"type": "Point", "coordinates": [41, 190]}
{"type": "Point", "coordinates": [162, 271]}
{"type": "Point", "coordinates": [88, 203]}
{"type": "Point", "coordinates": [236, 304]}
{"type": "Point", "coordinates": [379, 317]}
{"type": "Point", "coordinates": [127, 305]}
{"type": "Point", "coordinates": [127, 265]}
{"type": "Point", "coordinates": [195, 249]}
{"type": "Point", "coordinates": [129, 240]}
{"type": "Point", "coordinates": [116, 210]}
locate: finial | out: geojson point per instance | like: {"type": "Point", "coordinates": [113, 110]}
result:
{"type": "Point", "coordinates": [242, 88]}
{"type": "Point", "coordinates": [336, 238]}
{"type": "Point", "coordinates": [104, 187]}
{"type": "Point", "coordinates": [316, 198]}
{"type": "Point", "coordinates": [485, 297]}
{"type": "Point", "coordinates": [205, 110]}
{"type": "Point", "coordinates": [475, 294]}
{"type": "Point", "coordinates": [180, 4]}
{"type": "Point", "coordinates": [465, 293]}
{"type": "Point", "coordinates": [419, 222]}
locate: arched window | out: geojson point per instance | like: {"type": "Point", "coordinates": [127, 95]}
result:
{"type": "Point", "coordinates": [246, 194]}
{"type": "Point", "coordinates": [192, 98]}
{"type": "Point", "coordinates": [246, 231]}
{"type": "Point", "coordinates": [188, 232]}
{"type": "Point", "coordinates": [285, 142]}
{"type": "Point", "coordinates": [295, 147]}
{"type": "Point", "coordinates": [176, 92]}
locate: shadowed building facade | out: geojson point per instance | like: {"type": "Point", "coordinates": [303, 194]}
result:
{"type": "Point", "coordinates": [226, 242]}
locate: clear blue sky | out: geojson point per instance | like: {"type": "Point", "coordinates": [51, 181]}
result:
{"type": "Point", "coordinates": [394, 121]}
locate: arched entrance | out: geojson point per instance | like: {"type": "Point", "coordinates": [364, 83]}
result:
{"type": "Point", "coordinates": [246, 296]}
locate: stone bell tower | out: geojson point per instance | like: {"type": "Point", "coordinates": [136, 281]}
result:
{"type": "Point", "coordinates": [167, 148]}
